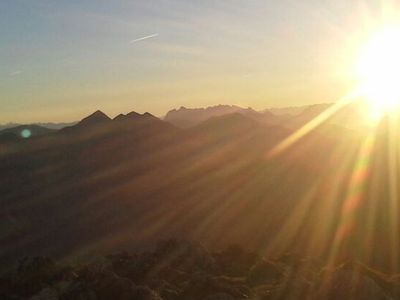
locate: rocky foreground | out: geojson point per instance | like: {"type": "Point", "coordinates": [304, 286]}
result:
{"type": "Point", "coordinates": [182, 270]}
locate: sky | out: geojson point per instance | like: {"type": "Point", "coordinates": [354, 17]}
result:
{"type": "Point", "coordinates": [61, 60]}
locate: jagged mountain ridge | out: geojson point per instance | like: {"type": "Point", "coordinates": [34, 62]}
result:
{"type": "Point", "coordinates": [187, 117]}
{"type": "Point", "coordinates": [350, 116]}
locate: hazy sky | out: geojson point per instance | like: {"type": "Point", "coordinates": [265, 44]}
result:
{"type": "Point", "coordinates": [62, 59]}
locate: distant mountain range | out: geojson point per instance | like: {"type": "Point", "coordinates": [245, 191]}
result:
{"type": "Point", "coordinates": [189, 117]}
{"type": "Point", "coordinates": [182, 117]}
{"type": "Point", "coordinates": [47, 125]}
{"type": "Point", "coordinates": [290, 117]}
{"type": "Point", "coordinates": [23, 132]}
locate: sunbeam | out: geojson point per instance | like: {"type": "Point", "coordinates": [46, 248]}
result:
{"type": "Point", "coordinates": [313, 124]}
{"type": "Point", "coordinates": [353, 200]}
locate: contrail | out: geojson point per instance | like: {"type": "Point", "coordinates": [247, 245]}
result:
{"type": "Point", "coordinates": [143, 38]}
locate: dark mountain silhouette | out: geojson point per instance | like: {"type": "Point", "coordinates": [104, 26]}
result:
{"type": "Point", "coordinates": [127, 182]}
{"type": "Point", "coordinates": [129, 116]}
{"type": "Point", "coordinates": [96, 118]}
{"type": "Point", "coordinates": [134, 116]}
{"type": "Point", "coordinates": [96, 122]}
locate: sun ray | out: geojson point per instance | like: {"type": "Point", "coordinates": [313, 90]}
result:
{"type": "Point", "coordinates": [393, 165]}
{"type": "Point", "coordinates": [313, 124]}
{"type": "Point", "coordinates": [354, 197]}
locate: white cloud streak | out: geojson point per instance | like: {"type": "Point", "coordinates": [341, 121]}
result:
{"type": "Point", "coordinates": [143, 38]}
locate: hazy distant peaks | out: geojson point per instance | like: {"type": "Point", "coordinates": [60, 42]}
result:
{"type": "Point", "coordinates": [187, 117]}
{"type": "Point", "coordinates": [23, 132]}
{"type": "Point", "coordinates": [48, 125]}
{"type": "Point", "coordinates": [215, 108]}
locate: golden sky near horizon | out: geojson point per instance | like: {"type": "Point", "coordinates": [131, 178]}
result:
{"type": "Point", "coordinates": [61, 61]}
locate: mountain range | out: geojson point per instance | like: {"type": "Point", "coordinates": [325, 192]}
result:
{"type": "Point", "coordinates": [290, 117]}
{"type": "Point", "coordinates": [349, 116]}
{"type": "Point", "coordinates": [105, 184]}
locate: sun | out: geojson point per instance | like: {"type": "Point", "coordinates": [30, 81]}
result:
{"type": "Point", "coordinates": [378, 70]}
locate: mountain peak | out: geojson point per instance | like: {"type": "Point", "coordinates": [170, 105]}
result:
{"type": "Point", "coordinates": [149, 116]}
{"type": "Point", "coordinates": [133, 114]}
{"type": "Point", "coordinates": [129, 116]}
{"type": "Point", "coordinates": [96, 117]}
{"type": "Point", "coordinates": [119, 117]}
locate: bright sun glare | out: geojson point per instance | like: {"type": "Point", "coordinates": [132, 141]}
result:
{"type": "Point", "coordinates": [378, 70]}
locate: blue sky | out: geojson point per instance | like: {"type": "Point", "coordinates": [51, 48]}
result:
{"type": "Point", "coordinates": [60, 60]}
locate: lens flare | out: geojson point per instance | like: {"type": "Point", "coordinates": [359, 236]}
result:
{"type": "Point", "coordinates": [26, 133]}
